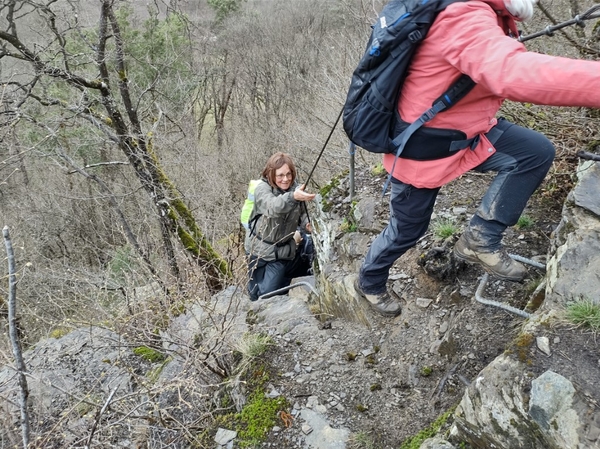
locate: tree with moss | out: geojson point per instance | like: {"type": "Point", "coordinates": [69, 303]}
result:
{"type": "Point", "coordinates": [77, 89]}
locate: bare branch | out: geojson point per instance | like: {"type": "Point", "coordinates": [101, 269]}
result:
{"type": "Point", "coordinates": [122, 71]}
{"type": "Point", "coordinates": [100, 164]}
{"type": "Point", "coordinates": [99, 415]}
{"type": "Point", "coordinates": [43, 67]}
{"type": "Point", "coordinates": [14, 336]}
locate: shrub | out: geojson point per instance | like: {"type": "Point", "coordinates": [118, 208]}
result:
{"type": "Point", "coordinates": [585, 313]}
{"type": "Point", "coordinates": [525, 221]}
{"type": "Point", "coordinates": [444, 228]}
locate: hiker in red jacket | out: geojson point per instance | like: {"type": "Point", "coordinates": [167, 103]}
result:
{"type": "Point", "coordinates": [476, 38]}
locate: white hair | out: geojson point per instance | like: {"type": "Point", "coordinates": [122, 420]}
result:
{"type": "Point", "coordinates": [521, 9]}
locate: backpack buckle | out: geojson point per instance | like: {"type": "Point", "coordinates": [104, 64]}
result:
{"type": "Point", "coordinates": [415, 36]}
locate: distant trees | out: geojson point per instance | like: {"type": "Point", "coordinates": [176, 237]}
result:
{"type": "Point", "coordinates": [223, 8]}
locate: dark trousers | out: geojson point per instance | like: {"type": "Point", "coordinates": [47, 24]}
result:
{"type": "Point", "coordinates": [522, 160]}
{"type": "Point", "coordinates": [266, 277]}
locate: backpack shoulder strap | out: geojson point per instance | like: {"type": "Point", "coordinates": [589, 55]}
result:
{"type": "Point", "coordinates": [456, 92]}
{"type": "Point", "coordinates": [252, 223]}
{"type": "Point", "coordinates": [453, 94]}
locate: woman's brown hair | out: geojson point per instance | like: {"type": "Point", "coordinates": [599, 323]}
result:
{"type": "Point", "coordinates": [274, 163]}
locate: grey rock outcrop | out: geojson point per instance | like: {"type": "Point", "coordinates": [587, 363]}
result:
{"type": "Point", "coordinates": [69, 380]}
{"type": "Point", "coordinates": [573, 267]}
{"type": "Point", "coordinates": [526, 397]}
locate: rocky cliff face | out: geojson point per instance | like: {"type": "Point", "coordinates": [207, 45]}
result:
{"type": "Point", "coordinates": [541, 390]}
{"type": "Point", "coordinates": [544, 393]}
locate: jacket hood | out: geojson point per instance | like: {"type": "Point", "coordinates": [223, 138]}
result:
{"type": "Point", "coordinates": [506, 19]}
{"type": "Point", "coordinates": [498, 6]}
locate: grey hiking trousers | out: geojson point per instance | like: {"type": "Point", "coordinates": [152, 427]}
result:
{"type": "Point", "coordinates": [522, 160]}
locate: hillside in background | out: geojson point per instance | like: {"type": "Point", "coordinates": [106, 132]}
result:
{"type": "Point", "coordinates": [122, 201]}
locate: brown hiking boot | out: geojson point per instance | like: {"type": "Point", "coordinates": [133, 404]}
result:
{"type": "Point", "coordinates": [382, 303]}
{"type": "Point", "coordinates": [498, 262]}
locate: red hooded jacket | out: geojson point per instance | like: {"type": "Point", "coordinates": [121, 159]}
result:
{"type": "Point", "coordinates": [473, 37]}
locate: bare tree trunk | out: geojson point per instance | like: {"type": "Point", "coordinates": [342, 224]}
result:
{"type": "Point", "coordinates": [222, 91]}
{"type": "Point", "coordinates": [14, 336]}
{"type": "Point", "coordinates": [174, 216]}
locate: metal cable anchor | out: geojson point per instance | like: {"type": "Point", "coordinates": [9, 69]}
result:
{"type": "Point", "coordinates": [289, 287]}
{"type": "Point", "coordinates": [507, 307]}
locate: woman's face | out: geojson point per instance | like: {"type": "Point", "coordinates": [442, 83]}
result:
{"type": "Point", "coordinates": [283, 177]}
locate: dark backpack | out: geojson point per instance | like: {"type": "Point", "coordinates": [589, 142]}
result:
{"type": "Point", "coordinates": [370, 113]}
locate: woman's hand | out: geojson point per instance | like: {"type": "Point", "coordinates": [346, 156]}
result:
{"type": "Point", "coordinates": [297, 238]}
{"type": "Point", "coordinates": [301, 195]}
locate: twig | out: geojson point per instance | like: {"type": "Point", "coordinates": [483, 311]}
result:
{"type": "Point", "coordinates": [86, 401]}
{"type": "Point", "coordinates": [99, 415]}
{"type": "Point", "coordinates": [14, 336]}
{"type": "Point", "coordinates": [463, 379]}
{"type": "Point", "coordinates": [565, 356]}
{"type": "Point", "coordinates": [100, 164]}
{"type": "Point", "coordinates": [444, 379]}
